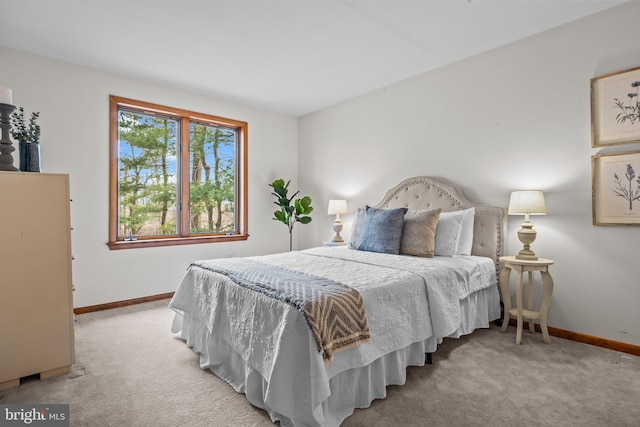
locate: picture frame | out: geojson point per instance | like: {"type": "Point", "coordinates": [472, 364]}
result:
{"type": "Point", "coordinates": [616, 188]}
{"type": "Point", "coordinates": [615, 108]}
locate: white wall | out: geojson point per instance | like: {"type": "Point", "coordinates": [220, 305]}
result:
{"type": "Point", "coordinates": [74, 106]}
{"type": "Point", "coordinates": [513, 118]}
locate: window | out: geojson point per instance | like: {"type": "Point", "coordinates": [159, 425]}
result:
{"type": "Point", "coordinates": [176, 177]}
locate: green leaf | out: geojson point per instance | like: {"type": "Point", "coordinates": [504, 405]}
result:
{"type": "Point", "coordinates": [303, 206]}
{"type": "Point", "coordinates": [281, 191]}
{"type": "Point", "coordinates": [306, 201]}
{"type": "Point", "coordinates": [280, 216]}
{"type": "Point", "coordinates": [305, 219]}
{"type": "Point", "coordinates": [278, 183]}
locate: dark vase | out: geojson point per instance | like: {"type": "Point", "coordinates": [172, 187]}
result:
{"type": "Point", "coordinates": [29, 157]}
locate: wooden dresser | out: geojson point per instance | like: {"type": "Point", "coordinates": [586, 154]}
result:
{"type": "Point", "coordinates": [36, 300]}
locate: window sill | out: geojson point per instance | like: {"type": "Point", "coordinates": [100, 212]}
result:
{"type": "Point", "coordinates": [174, 241]}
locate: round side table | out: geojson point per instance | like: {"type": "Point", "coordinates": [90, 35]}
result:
{"type": "Point", "coordinates": [521, 266]}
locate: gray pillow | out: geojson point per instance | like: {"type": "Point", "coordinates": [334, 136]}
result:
{"type": "Point", "coordinates": [382, 230]}
{"type": "Point", "coordinates": [419, 232]}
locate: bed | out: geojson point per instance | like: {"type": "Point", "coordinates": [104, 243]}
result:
{"type": "Point", "coordinates": [265, 348]}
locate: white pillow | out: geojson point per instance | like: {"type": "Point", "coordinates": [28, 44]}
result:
{"type": "Point", "coordinates": [448, 233]}
{"type": "Point", "coordinates": [356, 230]}
{"type": "Point", "coordinates": [465, 240]}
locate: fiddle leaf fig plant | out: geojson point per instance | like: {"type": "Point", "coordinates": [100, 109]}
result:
{"type": "Point", "coordinates": [290, 213]}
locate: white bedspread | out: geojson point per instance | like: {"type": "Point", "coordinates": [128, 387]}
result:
{"type": "Point", "coordinates": [407, 300]}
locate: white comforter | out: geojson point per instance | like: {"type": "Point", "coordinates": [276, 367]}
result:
{"type": "Point", "coordinates": [407, 300]}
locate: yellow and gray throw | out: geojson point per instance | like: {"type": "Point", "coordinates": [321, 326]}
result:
{"type": "Point", "coordinates": [333, 311]}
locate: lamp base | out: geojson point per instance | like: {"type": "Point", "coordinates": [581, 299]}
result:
{"type": "Point", "coordinates": [337, 228]}
{"type": "Point", "coordinates": [527, 254]}
{"type": "Point", "coordinates": [527, 236]}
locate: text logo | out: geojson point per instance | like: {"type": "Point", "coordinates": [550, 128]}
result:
{"type": "Point", "coordinates": [34, 415]}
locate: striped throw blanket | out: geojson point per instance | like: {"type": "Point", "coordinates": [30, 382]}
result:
{"type": "Point", "coordinates": [334, 312]}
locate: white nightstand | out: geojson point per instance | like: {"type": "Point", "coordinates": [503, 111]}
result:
{"type": "Point", "coordinates": [330, 243]}
{"type": "Point", "coordinates": [520, 266]}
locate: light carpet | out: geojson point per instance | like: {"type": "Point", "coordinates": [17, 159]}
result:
{"type": "Point", "coordinates": [131, 371]}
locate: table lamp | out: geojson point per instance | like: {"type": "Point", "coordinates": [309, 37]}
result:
{"type": "Point", "coordinates": [337, 207]}
{"type": "Point", "coordinates": [527, 202]}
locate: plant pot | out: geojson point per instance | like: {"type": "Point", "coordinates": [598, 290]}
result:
{"type": "Point", "coordinates": [29, 157]}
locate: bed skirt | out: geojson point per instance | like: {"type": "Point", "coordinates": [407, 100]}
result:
{"type": "Point", "coordinates": [350, 389]}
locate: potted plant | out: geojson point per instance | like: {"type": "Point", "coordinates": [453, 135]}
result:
{"type": "Point", "coordinates": [28, 137]}
{"type": "Point", "coordinates": [289, 213]}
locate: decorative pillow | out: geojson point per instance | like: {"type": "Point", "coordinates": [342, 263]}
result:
{"type": "Point", "coordinates": [465, 241]}
{"type": "Point", "coordinates": [356, 230]}
{"type": "Point", "coordinates": [448, 232]}
{"type": "Point", "coordinates": [382, 230]}
{"type": "Point", "coordinates": [419, 232]}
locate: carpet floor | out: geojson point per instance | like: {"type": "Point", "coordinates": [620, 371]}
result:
{"type": "Point", "coordinates": [131, 371]}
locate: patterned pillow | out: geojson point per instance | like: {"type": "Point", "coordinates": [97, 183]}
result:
{"type": "Point", "coordinates": [419, 232]}
{"type": "Point", "coordinates": [382, 230]}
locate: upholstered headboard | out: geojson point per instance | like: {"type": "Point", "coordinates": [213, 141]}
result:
{"type": "Point", "coordinates": [425, 192]}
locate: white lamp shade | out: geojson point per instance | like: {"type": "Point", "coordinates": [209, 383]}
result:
{"type": "Point", "coordinates": [530, 202]}
{"type": "Point", "coordinates": [337, 207]}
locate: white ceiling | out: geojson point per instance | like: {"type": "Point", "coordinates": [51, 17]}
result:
{"type": "Point", "coordinates": [289, 56]}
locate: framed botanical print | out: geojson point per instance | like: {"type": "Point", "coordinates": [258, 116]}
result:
{"type": "Point", "coordinates": [615, 108]}
{"type": "Point", "coordinates": [616, 188]}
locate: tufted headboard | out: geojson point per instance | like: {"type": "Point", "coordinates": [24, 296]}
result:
{"type": "Point", "coordinates": [425, 192]}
